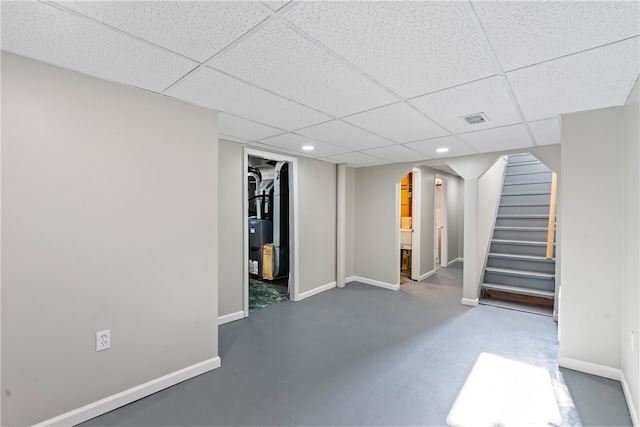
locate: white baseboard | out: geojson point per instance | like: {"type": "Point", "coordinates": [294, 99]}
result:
{"type": "Point", "coordinates": [350, 279]}
{"type": "Point", "coordinates": [317, 290]}
{"type": "Point", "coordinates": [454, 261]}
{"type": "Point", "coordinates": [590, 368]}
{"type": "Point", "coordinates": [425, 275]}
{"type": "Point", "coordinates": [376, 283]}
{"type": "Point", "coordinates": [117, 400]}
{"type": "Point", "coordinates": [470, 302]}
{"type": "Point", "coordinates": [231, 317]}
{"type": "Point", "coordinates": [633, 411]}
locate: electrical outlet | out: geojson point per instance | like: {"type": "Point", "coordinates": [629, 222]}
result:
{"type": "Point", "coordinates": [103, 340]}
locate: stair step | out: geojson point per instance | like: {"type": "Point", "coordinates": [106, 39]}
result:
{"type": "Point", "coordinates": [536, 181]}
{"type": "Point", "coordinates": [519, 242]}
{"type": "Point", "coordinates": [525, 173]}
{"type": "Point", "coordinates": [521, 257]}
{"type": "Point", "coordinates": [528, 162]}
{"type": "Point", "coordinates": [522, 216]}
{"type": "Point", "coordinates": [527, 193]}
{"type": "Point", "coordinates": [520, 291]}
{"type": "Point", "coordinates": [504, 228]}
{"type": "Point", "coordinates": [528, 308]}
{"type": "Point", "coordinates": [524, 204]}
{"type": "Point", "coordinates": [520, 273]}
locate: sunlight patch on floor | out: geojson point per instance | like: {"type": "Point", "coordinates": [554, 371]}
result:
{"type": "Point", "coordinates": [503, 392]}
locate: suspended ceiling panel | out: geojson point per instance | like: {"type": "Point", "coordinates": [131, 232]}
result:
{"type": "Point", "coordinates": [213, 89]}
{"type": "Point", "coordinates": [396, 154]}
{"type": "Point", "coordinates": [38, 31]}
{"type": "Point", "coordinates": [282, 61]}
{"type": "Point", "coordinates": [245, 129]}
{"type": "Point", "coordinates": [505, 138]}
{"type": "Point", "coordinates": [344, 135]}
{"type": "Point", "coordinates": [449, 106]}
{"type": "Point", "coordinates": [357, 160]}
{"type": "Point", "coordinates": [455, 146]}
{"type": "Point", "coordinates": [546, 132]}
{"type": "Point", "coordinates": [293, 143]}
{"type": "Point", "coordinates": [411, 47]}
{"type": "Point", "coordinates": [597, 78]}
{"type": "Point", "coordinates": [544, 30]}
{"type": "Point", "coordinates": [398, 122]}
{"type": "Point", "coordinates": [195, 29]}
{"type": "Point", "coordinates": [275, 5]}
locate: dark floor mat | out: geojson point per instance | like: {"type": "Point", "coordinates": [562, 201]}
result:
{"type": "Point", "coordinates": [263, 295]}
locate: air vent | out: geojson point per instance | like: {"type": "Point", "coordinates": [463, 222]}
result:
{"type": "Point", "coordinates": [475, 119]}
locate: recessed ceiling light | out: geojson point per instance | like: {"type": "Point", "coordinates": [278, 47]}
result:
{"type": "Point", "coordinates": [308, 147]}
{"type": "Point", "coordinates": [442, 150]}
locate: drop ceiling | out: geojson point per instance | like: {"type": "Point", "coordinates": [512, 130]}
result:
{"type": "Point", "coordinates": [366, 83]}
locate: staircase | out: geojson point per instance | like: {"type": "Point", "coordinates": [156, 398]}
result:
{"type": "Point", "coordinates": [517, 274]}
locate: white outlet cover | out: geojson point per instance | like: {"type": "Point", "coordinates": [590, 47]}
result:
{"type": "Point", "coordinates": [103, 340]}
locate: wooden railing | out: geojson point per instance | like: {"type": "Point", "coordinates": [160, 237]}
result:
{"type": "Point", "coordinates": [552, 216]}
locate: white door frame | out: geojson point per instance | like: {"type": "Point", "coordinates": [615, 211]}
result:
{"type": "Point", "coordinates": [444, 259]}
{"type": "Point", "coordinates": [293, 221]}
{"type": "Point", "coordinates": [416, 197]}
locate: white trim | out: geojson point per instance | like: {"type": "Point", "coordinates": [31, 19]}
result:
{"type": "Point", "coordinates": [425, 275]}
{"type": "Point", "coordinates": [317, 290]}
{"type": "Point", "coordinates": [470, 302]}
{"type": "Point", "coordinates": [117, 400]}
{"type": "Point", "coordinates": [590, 368]}
{"type": "Point", "coordinates": [231, 317]}
{"type": "Point", "coordinates": [633, 411]}
{"type": "Point", "coordinates": [444, 231]}
{"type": "Point", "coordinates": [375, 283]}
{"type": "Point", "coordinates": [459, 259]}
{"type": "Point", "coordinates": [416, 219]}
{"type": "Point", "coordinates": [350, 279]}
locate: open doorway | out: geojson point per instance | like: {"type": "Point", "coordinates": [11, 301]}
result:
{"type": "Point", "coordinates": [270, 229]}
{"type": "Point", "coordinates": [410, 226]}
{"type": "Point", "coordinates": [440, 220]}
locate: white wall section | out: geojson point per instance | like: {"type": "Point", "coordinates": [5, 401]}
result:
{"type": "Point", "coordinates": [109, 221]}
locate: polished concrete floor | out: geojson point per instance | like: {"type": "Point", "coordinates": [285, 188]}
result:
{"type": "Point", "coordinates": [368, 356]}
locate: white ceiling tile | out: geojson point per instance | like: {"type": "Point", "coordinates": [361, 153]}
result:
{"type": "Point", "coordinates": [356, 160]}
{"type": "Point", "coordinates": [39, 31]}
{"type": "Point", "coordinates": [284, 62]}
{"type": "Point", "coordinates": [396, 153]}
{"type": "Point", "coordinates": [528, 32]}
{"type": "Point", "coordinates": [429, 147]}
{"type": "Point", "coordinates": [498, 139]}
{"type": "Point", "coordinates": [597, 78]}
{"type": "Point", "coordinates": [233, 138]}
{"type": "Point", "coordinates": [213, 89]}
{"type": "Point", "coordinates": [488, 96]}
{"type": "Point", "coordinates": [293, 143]}
{"type": "Point", "coordinates": [546, 132]}
{"type": "Point", "coordinates": [398, 122]}
{"type": "Point", "coordinates": [245, 129]}
{"type": "Point", "coordinates": [196, 29]}
{"type": "Point", "coordinates": [411, 47]}
{"type": "Point", "coordinates": [344, 135]}
{"type": "Point", "coordinates": [274, 4]}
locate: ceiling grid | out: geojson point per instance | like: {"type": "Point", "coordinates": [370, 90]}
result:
{"type": "Point", "coordinates": [366, 83]}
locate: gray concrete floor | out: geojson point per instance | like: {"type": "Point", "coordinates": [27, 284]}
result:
{"type": "Point", "coordinates": [368, 356]}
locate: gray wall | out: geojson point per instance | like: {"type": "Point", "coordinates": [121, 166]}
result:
{"type": "Point", "coordinates": [317, 194]}
{"type": "Point", "coordinates": [427, 220]}
{"type": "Point", "coordinates": [109, 221]}
{"type": "Point", "coordinates": [350, 264]}
{"type": "Point", "coordinates": [230, 228]}
{"type": "Point", "coordinates": [631, 272]}
{"type": "Point", "coordinates": [455, 198]}
{"type": "Point", "coordinates": [592, 231]}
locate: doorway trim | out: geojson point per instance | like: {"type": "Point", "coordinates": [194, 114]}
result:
{"type": "Point", "coordinates": [444, 244]}
{"type": "Point", "coordinates": [293, 224]}
{"type": "Point", "coordinates": [416, 213]}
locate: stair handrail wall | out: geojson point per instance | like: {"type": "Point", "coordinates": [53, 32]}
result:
{"type": "Point", "coordinates": [504, 159]}
{"type": "Point", "coordinates": [551, 231]}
